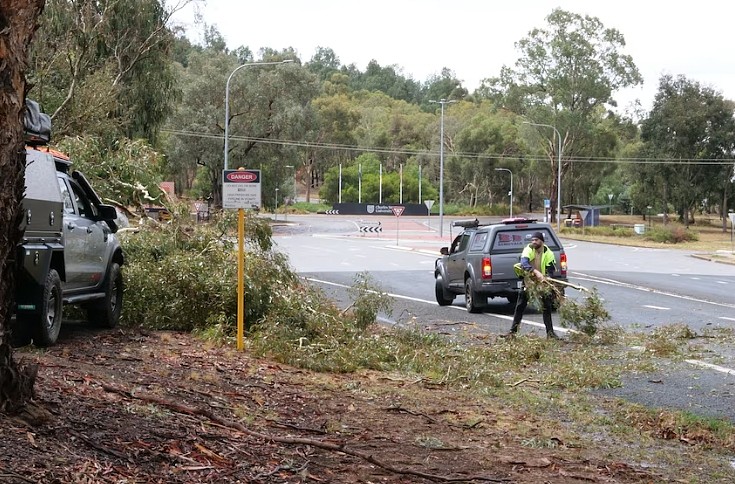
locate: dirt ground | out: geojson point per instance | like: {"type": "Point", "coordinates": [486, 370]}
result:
{"type": "Point", "coordinates": [127, 406]}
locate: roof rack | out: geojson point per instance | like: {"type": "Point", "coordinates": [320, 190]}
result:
{"type": "Point", "coordinates": [467, 224]}
{"type": "Point", "coordinates": [518, 220]}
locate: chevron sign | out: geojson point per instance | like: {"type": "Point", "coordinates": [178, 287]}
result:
{"type": "Point", "coordinates": [375, 228]}
{"type": "Point", "coordinates": [331, 212]}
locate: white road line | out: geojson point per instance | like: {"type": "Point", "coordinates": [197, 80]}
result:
{"type": "Point", "coordinates": [656, 307]}
{"type": "Point", "coordinates": [694, 278]}
{"type": "Point", "coordinates": [434, 303]}
{"type": "Point", "coordinates": [613, 282]}
{"type": "Point", "coordinates": [721, 282]}
{"type": "Point", "coordinates": [710, 366]}
{"type": "Point", "coordinates": [726, 318]}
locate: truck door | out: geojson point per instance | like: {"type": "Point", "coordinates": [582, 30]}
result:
{"type": "Point", "coordinates": [456, 262]}
{"type": "Point", "coordinates": [75, 237]}
{"type": "Point", "coordinates": [93, 255]}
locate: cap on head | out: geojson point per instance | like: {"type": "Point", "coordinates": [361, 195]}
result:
{"type": "Point", "coordinates": [538, 235]}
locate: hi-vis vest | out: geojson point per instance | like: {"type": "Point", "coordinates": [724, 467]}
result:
{"type": "Point", "coordinates": [547, 259]}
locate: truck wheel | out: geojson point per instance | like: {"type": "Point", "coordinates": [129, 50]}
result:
{"type": "Point", "coordinates": [47, 324]}
{"type": "Point", "coordinates": [439, 291]}
{"type": "Point", "coordinates": [105, 313]}
{"type": "Point", "coordinates": [472, 300]}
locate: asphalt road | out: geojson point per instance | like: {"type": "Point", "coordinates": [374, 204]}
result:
{"type": "Point", "coordinates": [643, 289]}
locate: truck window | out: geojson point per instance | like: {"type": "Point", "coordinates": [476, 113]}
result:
{"type": "Point", "coordinates": [83, 205]}
{"type": "Point", "coordinates": [66, 196]}
{"type": "Point", "coordinates": [518, 239]}
{"type": "Point", "coordinates": [478, 243]}
{"type": "Point", "coordinates": [463, 242]}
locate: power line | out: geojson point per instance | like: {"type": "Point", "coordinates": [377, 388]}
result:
{"type": "Point", "coordinates": [490, 156]}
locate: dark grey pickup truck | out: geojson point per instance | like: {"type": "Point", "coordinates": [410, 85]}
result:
{"type": "Point", "coordinates": [479, 263]}
{"type": "Point", "coordinates": [69, 253]}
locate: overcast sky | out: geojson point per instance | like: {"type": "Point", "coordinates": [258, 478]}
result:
{"type": "Point", "coordinates": [475, 38]}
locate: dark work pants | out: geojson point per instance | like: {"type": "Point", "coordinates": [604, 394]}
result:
{"type": "Point", "coordinates": [521, 304]}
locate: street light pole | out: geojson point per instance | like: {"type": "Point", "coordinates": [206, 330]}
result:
{"type": "Point", "coordinates": [275, 210]}
{"type": "Point", "coordinates": [293, 199]}
{"type": "Point", "coordinates": [442, 102]}
{"type": "Point", "coordinates": [227, 99]}
{"type": "Point", "coordinates": [511, 188]}
{"type": "Point", "coordinates": [558, 174]}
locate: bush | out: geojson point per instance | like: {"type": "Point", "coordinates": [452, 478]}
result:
{"type": "Point", "coordinates": [671, 235]}
{"type": "Point", "coordinates": [179, 277]}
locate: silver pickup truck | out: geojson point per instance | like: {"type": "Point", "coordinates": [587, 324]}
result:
{"type": "Point", "coordinates": [479, 263]}
{"type": "Point", "coordinates": [69, 253]}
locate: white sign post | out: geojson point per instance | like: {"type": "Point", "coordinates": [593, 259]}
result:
{"type": "Point", "coordinates": [397, 211]}
{"type": "Point", "coordinates": [732, 231]}
{"type": "Point", "coordinates": [429, 204]}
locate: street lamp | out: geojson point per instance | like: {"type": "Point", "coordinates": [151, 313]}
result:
{"type": "Point", "coordinates": [511, 188]}
{"type": "Point", "coordinates": [294, 187]}
{"type": "Point", "coordinates": [558, 175]}
{"type": "Point", "coordinates": [275, 210]}
{"type": "Point", "coordinates": [227, 99]}
{"type": "Point", "coordinates": [441, 165]}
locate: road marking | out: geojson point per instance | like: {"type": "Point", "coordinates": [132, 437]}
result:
{"type": "Point", "coordinates": [656, 307]}
{"type": "Point", "coordinates": [721, 282]}
{"type": "Point", "coordinates": [613, 282]}
{"type": "Point", "coordinates": [694, 278]}
{"type": "Point", "coordinates": [726, 318]}
{"type": "Point", "coordinates": [710, 366]}
{"type": "Point", "coordinates": [434, 303]}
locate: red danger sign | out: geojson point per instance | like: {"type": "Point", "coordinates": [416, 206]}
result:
{"type": "Point", "coordinates": [397, 210]}
{"type": "Point", "coordinates": [241, 176]}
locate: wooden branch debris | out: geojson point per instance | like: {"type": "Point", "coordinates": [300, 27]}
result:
{"type": "Point", "coordinates": [203, 412]}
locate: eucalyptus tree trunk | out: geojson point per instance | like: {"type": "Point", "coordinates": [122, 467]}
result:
{"type": "Point", "coordinates": [18, 22]}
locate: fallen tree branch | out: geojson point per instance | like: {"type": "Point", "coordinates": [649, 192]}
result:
{"type": "Point", "coordinates": [185, 409]}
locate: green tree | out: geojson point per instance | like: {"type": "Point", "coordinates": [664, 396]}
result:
{"type": "Point", "coordinates": [566, 75]}
{"type": "Point", "coordinates": [691, 128]}
{"type": "Point", "coordinates": [103, 67]}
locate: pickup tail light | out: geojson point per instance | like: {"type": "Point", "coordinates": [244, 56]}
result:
{"type": "Point", "coordinates": [563, 262]}
{"type": "Point", "coordinates": [487, 268]}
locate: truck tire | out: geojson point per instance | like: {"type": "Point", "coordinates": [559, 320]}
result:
{"type": "Point", "coordinates": [105, 313]}
{"type": "Point", "coordinates": [439, 291]}
{"type": "Point", "coordinates": [47, 324]}
{"type": "Point", "coordinates": [472, 300]}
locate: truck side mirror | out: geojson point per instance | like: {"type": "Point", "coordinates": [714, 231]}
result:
{"type": "Point", "coordinates": [444, 251]}
{"type": "Point", "coordinates": [107, 212]}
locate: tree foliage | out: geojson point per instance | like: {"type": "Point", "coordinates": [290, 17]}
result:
{"type": "Point", "coordinates": [692, 128]}
{"type": "Point", "coordinates": [567, 73]}
{"type": "Point", "coordinates": [102, 67]}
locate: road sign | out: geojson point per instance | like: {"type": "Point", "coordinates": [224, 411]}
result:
{"type": "Point", "coordinates": [429, 204]}
{"type": "Point", "coordinates": [241, 189]}
{"type": "Point", "coordinates": [547, 203]}
{"type": "Point", "coordinates": [397, 210]}
{"type": "Point", "coordinates": [732, 217]}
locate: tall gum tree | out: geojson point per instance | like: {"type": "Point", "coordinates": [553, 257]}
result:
{"type": "Point", "coordinates": [18, 23]}
{"type": "Point", "coordinates": [691, 131]}
{"type": "Point", "coordinates": [565, 77]}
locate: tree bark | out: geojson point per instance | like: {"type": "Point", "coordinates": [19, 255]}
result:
{"type": "Point", "coordinates": [18, 23]}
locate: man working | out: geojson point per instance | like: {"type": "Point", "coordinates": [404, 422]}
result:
{"type": "Point", "coordinates": [536, 259]}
